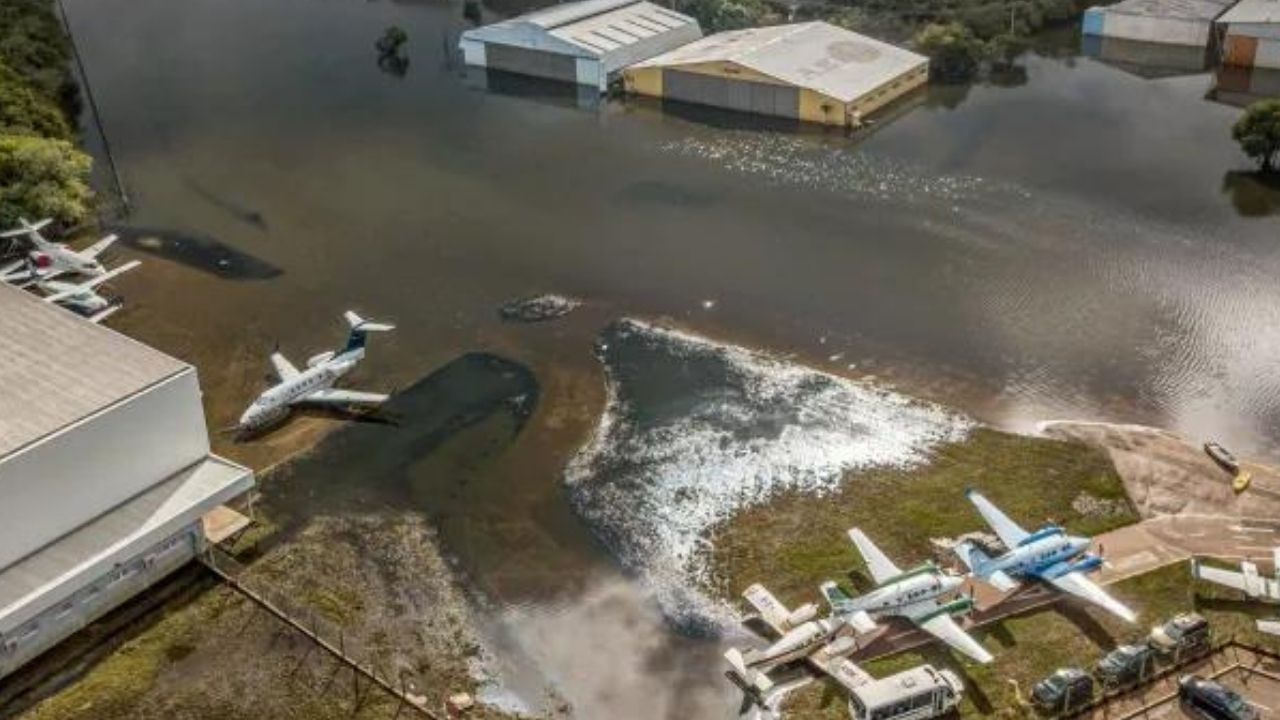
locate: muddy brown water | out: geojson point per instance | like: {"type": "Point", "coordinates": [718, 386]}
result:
{"type": "Point", "coordinates": [1074, 240]}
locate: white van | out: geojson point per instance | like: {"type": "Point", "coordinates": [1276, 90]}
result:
{"type": "Point", "coordinates": [916, 694]}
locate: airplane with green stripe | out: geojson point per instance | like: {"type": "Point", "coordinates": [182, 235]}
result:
{"type": "Point", "coordinates": [926, 595]}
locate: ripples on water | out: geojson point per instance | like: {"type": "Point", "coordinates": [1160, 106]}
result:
{"type": "Point", "coordinates": [805, 163]}
{"type": "Point", "coordinates": [696, 430]}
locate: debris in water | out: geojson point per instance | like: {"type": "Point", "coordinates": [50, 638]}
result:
{"type": "Point", "coordinates": [538, 308]}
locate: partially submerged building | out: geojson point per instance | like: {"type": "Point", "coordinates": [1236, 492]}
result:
{"type": "Point", "coordinates": [1251, 34]}
{"type": "Point", "coordinates": [105, 472]}
{"type": "Point", "coordinates": [810, 71]}
{"type": "Point", "coordinates": [1175, 22]}
{"type": "Point", "coordinates": [586, 42]}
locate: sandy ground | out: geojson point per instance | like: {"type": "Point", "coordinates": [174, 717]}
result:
{"type": "Point", "coordinates": [1166, 474]}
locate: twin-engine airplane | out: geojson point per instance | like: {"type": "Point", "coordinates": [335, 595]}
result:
{"type": "Point", "coordinates": [314, 386]}
{"type": "Point", "coordinates": [919, 595]}
{"type": "Point", "coordinates": [1048, 554]}
{"type": "Point", "coordinates": [83, 298]}
{"type": "Point", "coordinates": [47, 260]}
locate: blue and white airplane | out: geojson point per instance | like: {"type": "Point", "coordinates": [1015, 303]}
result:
{"type": "Point", "coordinates": [314, 385]}
{"type": "Point", "coordinates": [1048, 554]}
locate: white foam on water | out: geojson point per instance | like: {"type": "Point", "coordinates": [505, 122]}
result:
{"type": "Point", "coordinates": [653, 488]}
{"type": "Point", "coordinates": [803, 162]}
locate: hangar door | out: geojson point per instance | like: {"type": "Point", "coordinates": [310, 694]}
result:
{"type": "Point", "coordinates": [755, 97]}
{"type": "Point", "coordinates": [531, 62]}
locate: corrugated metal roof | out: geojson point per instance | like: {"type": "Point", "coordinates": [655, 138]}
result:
{"type": "Point", "coordinates": [46, 577]}
{"type": "Point", "coordinates": [1253, 11]}
{"type": "Point", "coordinates": [618, 32]}
{"type": "Point", "coordinates": [815, 55]}
{"type": "Point", "coordinates": [57, 368]}
{"type": "Point", "coordinates": [1180, 9]}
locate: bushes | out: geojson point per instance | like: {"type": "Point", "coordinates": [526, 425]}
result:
{"type": "Point", "coordinates": [41, 173]}
{"type": "Point", "coordinates": [954, 51]}
{"type": "Point", "coordinates": [42, 177]}
{"type": "Point", "coordinates": [718, 15]}
{"type": "Point", "coordinates": [23, 111]}
{"type": "Point", "coordinates": [1258, 132]}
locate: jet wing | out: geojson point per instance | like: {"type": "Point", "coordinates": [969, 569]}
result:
{"type": "Point", "coordinates": [1082, 587]}
{"type": "Point", "coordinates": [1248, 581]}
{"type": "Point", "coordinates": [944, 628]}
{"type": "Point", "coordinates": [1010, 532]}
{"type": "Point", "coordinates": [104, 314]}
{"type": "Point", "coordinates": [284, 369]}
{"type": "Point", "coordinates": [14, 268]}
{"type": "Point", "coordinates": [93, 251]}
{"type": "Point", "coordinates": [879, 564]}
{"type": "Point", "coordinates": [331, 396]}
{"type": "Point", "coordinates": [771, 610]}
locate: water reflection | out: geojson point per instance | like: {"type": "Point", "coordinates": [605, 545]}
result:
{"type": "Point", "coordinates": [1147, 60]}
{"type": "Point", "coordinates": [1241, 87]}
{"type": "Point", "coordinates": [1253, 194]}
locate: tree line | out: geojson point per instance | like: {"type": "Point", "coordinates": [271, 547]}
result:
{"type": "Point", "coordinates": [42, 172]}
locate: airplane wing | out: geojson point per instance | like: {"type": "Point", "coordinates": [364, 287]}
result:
{"type": "Point", "coordinates": [944, 628]}
{"type": "Point", "coordinates": [104, 314]}
{"type": "Point", "coordinates": [1082, 587]}
{"type": "Point", "coordinates": [841, 669]}
{"type": "Point", "coordinates": [284, 369]}
{"type": "Point", "coordinates": [879, 564]}
{"type": "Point", "coordinates": [15, 268]}
{"type": "Point", "coordinates": [1010, 532]}
{"type": "Point", "coordinates": [1248, 581]}
{"type": "Point", "coordinates": [94, 250]}
{"type": "Point", "coordinates": [771, 610]}
{"type": "Point", "coordinates": [331, 396]}
{"type": "Point", "coordinates": [90, 284]}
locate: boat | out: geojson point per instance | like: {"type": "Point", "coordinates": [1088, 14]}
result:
{"type": "Point", "coordinates": [1222, 457]}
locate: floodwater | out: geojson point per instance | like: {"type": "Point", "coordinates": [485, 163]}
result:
{"type": "Point", "coordinates": [1073, 240]}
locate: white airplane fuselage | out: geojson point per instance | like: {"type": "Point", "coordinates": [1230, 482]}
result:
{"type": "Point", "coordinates": [85, 301]}
{"type": "Point", "coordinates": [900, 595]}
{"type": "Point", "coordinates": [797, 643]}
{"type": "Point", "coordinates": [274, 403]}
{"type": "Point", "coordinates": [1036, 556]}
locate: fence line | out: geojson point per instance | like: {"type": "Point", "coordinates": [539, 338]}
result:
{"type": "Point", "coordinates": [329, 636]}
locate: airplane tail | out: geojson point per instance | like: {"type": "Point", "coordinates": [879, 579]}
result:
{"type": "Point", "coordinates": [753, 683]}
{"type": "Point", "coordinates": [836, 598]}
{"type": "Point", "coordinates": [974, 558]}
{"type": "Point", "coordinates": [28, 230]}
{"type": "Point", "coordinates": [359, 329]}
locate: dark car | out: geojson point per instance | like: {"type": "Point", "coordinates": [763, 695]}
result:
{"type": "Point", "coordinates": [1065, 689]}
{"type": "Point", "coordinates": [1213, 701]}
{"type": "Point", "coordinates": [1187, 631]}
{"type": "Point", "coordinates": [1126, 664]}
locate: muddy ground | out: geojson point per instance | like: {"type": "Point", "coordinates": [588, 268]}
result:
{"type": "Point", "coordinates": [377, 577]}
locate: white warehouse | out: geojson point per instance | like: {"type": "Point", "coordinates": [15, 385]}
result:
{"type": "Point", "coordinates": [105, 472]}
{"type": "Point", "coordinates": [588, 42]}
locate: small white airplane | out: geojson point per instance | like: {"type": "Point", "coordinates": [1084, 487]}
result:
{"type": "Point", "coordinates": [51, 259]}
{"type": "Point", "coordinates": [1248, 580]}
{"type": "Point", "coordinates": [916, 594]}
{"type": "Point", "coordinates": [1049, 554]}
{"type": "Point", "coordinates": [314, 386]}
{"type": "Point", "coordinates": [83, 298]}
{"type": "Point", "coordinates": [824, 643]}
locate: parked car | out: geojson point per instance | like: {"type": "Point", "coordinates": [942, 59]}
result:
{"type": "Point", "coordinates": [1065, 689]}
{"type": "Point", "coordinates": [1126, 664]}
{"type": "Point", "coordinates": [1212, 700]}
{"type": "Point", "coordinates": [1186, 631]}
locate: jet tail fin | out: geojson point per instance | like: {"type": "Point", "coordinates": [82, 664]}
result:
{"type": "Point", "coordinates": [836, 598]}
{"type": "Point", "coordinates": [359, 328]}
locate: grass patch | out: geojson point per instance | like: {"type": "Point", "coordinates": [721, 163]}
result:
{"type": "Point", "coordinates": [797, 540]}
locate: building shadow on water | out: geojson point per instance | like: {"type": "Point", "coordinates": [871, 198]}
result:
{"type": "Point", "coordinates": [470, 410]}
{"type": "Point", "coordinates": [196, 250]}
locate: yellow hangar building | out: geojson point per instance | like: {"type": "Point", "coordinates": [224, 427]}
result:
{"type": "Point", "coordinates": [812, 71]}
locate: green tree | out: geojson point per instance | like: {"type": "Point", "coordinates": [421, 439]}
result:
{"type": "Point", "coordinates": [1258, 132]}
{"type": "Point", "coordinates": [41, 177]}
{"type": "Point", "coordinates": [954, 51]}
{"type": "Point", "coordinates": [23, 111]}
{"type": "Point", "coordinates": [33, 44]}
{"type": "Point", "coordinates": [718, 15]}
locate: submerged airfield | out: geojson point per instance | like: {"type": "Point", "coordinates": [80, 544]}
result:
{"type": "Point", "coordinates": [782, 335]}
